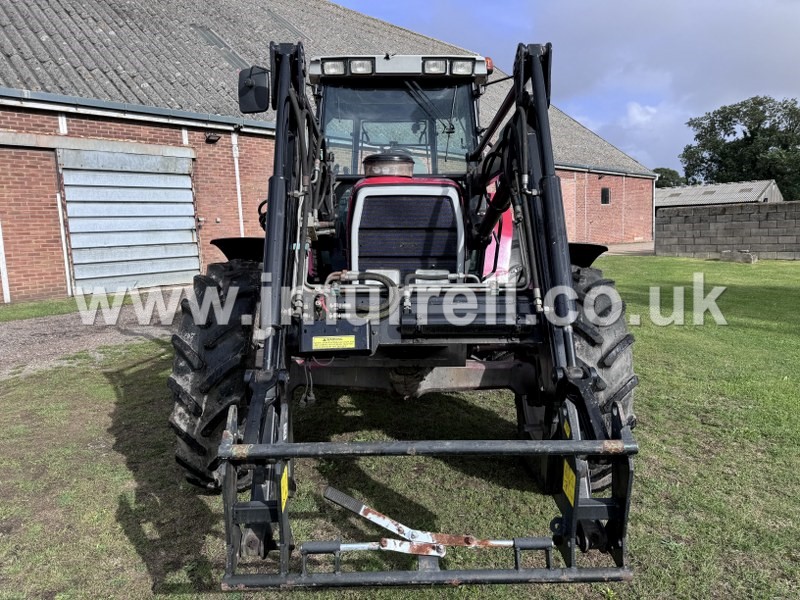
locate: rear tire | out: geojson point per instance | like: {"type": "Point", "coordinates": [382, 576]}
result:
{"type": "Point", "coordinates": [209, 366]}
{"type": "Point", "coordinates": [605, 348]}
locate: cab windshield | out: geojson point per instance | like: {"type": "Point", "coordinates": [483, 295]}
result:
{"type": "Point", "coordinates": [431, 123]}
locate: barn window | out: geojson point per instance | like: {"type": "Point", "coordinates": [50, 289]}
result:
{"type": "Point", "coordinates": [605, 195]}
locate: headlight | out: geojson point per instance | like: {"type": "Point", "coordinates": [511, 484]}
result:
{"type": "Point", "coordinates": [434, 67]}
{"type": "Point", "coordinates": [461, 67]}
{"type": "Point", "coordinates": [333, 67]}
{"type": "Point", "coordinates": [360, 67]}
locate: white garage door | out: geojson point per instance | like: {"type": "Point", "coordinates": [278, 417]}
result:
{"type": "Point", "coordinates": [131, 219]}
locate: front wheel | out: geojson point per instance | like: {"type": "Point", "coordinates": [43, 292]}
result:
{"type": "Point", "coordinates": [604, 347]}
{"type": "Point", "coordinates": [212, 353]}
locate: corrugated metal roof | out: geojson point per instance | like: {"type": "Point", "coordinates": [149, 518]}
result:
{"type": "Point", "coordinates": [720, 193]}
{"type": "Point", "coordinates": [184, 54]}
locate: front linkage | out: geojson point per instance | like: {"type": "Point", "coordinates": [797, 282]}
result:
{"type": "Point", "coordinates": [263, 445]}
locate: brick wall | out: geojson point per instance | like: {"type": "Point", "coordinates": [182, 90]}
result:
{"type": "Point", "coordinates": [31, 232]}
{"type": "Point", "coordinates": [29, 182]}
{"type": "Point", "coordinates": [215, 188]}
{"type": "Point", "coordinates": [628, 217]}
{"type": "Point", "coordinates": [28, 121]}
{"type": "Point", "coordinates": [770, 230]}
{"type": "Point", "coordinates": [255, 166]}
{"type": "Point", "coordinates": [128, 131]}
{"type": "Point", "coordinates": [215, 193]}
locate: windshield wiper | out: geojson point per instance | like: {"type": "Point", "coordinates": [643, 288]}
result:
{"type": "Point", "coordinates": [451, 130]}
{"type": "Point", "coordinates": [429, 107]}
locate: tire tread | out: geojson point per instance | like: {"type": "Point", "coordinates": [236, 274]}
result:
{"type": "Point", "coordinates": [208, 369]}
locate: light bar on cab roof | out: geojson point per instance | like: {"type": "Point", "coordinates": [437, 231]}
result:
{"type": "Point", "coordinates": [474, 67]}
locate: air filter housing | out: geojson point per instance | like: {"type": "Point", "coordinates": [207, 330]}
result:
{"type": "Point", "coordinates": [385, 164]}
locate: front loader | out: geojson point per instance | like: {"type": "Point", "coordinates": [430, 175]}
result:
{"type": "Point", "coordinates": [407, 250]}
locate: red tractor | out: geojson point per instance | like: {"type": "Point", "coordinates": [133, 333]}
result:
{"type": "Point", "coordinates": [408, 250]}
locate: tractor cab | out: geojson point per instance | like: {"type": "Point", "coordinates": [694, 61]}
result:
{"type": "Point", "coordinates": [400, 130]}
{"type": "Point", "coordinates": [422, 106]}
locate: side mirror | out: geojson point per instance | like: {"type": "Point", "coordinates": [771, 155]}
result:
{"type": "Point", "coordinates": [253, 90]}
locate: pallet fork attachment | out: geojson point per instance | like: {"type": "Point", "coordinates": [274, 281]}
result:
{"type": "Point", "coordinates": [584, 522]}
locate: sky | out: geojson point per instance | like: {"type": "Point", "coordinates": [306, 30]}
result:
{"type": "Point", "coordinates": [633, 71]}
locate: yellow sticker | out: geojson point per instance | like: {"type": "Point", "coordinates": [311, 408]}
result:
{"type": "Point", "coordinates": [567, 430]}
{"type": "Point", "coordinates": [569, 482]}
{"type": "Point", "coordinates": [333, 342]}
{"type": "Point", "coordinates": [284, 487]}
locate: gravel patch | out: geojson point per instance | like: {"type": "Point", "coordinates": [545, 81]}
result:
{"type": "Point", "coordinates": [631, 249]}
{"type": "Point", "coordinates": [32, 344]}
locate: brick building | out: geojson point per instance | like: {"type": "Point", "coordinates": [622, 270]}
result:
{"type": "Point", "coordinates": [122, 152]}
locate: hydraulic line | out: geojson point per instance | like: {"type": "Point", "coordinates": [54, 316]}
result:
{"type": "Point", "coordinates": [384, 308]}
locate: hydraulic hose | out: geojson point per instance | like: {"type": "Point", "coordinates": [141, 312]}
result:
{"type": "Point", "coordinates": [500, 203]}
{"type": "Point", "coordinates": [384, 308]}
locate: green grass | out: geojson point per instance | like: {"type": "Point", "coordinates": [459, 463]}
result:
{"type": "Point", "coordinates": [47, 308]}
{"type": "Point", "coordinates": [91, 504]}
{"type": "Point", "coordinates": [38, 308]}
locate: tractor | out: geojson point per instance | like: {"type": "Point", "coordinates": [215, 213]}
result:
{"type": "Point", "coordinates": [407, 250]}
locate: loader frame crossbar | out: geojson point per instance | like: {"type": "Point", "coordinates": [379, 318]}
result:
{"type": "Point", "coordinates": [580, 513]}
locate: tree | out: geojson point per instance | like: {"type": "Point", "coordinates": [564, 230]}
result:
{"type": "Point", "coordinates": [758, 138]}
{"type": "Point", "coordinates": [668, 178]}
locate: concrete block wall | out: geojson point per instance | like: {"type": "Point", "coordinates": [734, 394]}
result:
{"type": "Point", "coordinates": [770, 230]}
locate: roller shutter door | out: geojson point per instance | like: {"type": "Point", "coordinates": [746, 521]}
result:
{"type": "Point", "coordinates": [131, 219]}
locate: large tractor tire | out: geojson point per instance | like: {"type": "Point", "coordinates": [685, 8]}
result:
{"type": "Point", "coordinates": [609, 350]}
{"type": "Point", "coordinates": [209, 367]}
{"type": "Point", "coordinates": [605, 347]}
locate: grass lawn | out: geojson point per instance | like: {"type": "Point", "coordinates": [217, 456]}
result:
{"type": "Point", "coordinates": [92, 506]}
{"type": "Point", "coordinates": [61, 306]}
{"type": "Point", "coordinates": [38, 308]}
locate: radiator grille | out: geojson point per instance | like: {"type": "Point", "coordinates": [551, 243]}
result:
{"type": "Point", "coordinates": [408, 233]}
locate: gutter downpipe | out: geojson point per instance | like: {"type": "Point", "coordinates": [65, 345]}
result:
{"type": "Point", "coordinates": [235, 150]}
{"type": "Point", "coordinates": [4, 269]}
{"type": "Point", "coordinates": [64, 249]}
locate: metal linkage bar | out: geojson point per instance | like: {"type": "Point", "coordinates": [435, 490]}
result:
{"type": "Point", "coordinates": [272, 452]}
{"type": "Point", "coordinates": [441, 540]}
{"type": "Point", "coordinates": [387, 578]}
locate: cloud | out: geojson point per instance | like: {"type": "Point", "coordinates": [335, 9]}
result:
{"type": "Point", "coordinates": [649, 132]}
{"type": "Point", "coordinates": [641, 69]}
{"type": "Point", "coordinates": [634, 71]}
{"type": "Point", "coordinates": [639, 116]}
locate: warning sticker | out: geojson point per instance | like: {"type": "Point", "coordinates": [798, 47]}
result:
{"type": "Point", "coordinates": [333, 342]}
{"type": "Point", "coordinates": [569, 483]}
{"type": "Point", "coordinates": [567, 430]}
{"type": "Point", "coordinates": [284, 487]}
